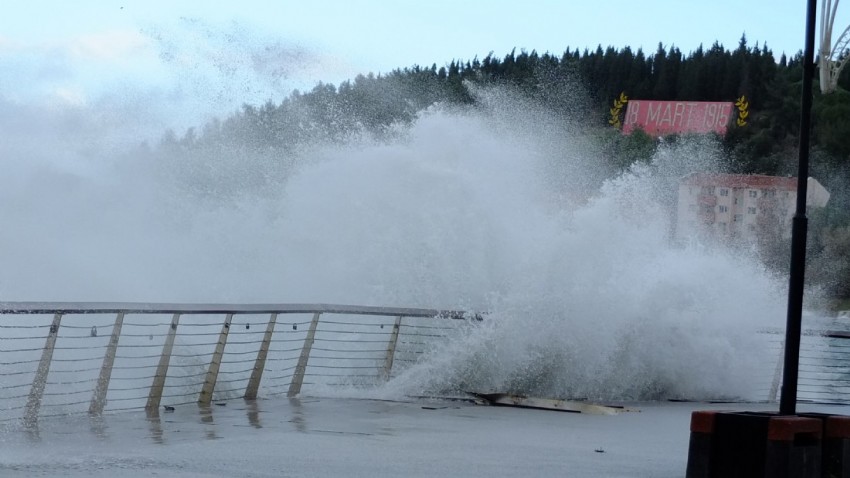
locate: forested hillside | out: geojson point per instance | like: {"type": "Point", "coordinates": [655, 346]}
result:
{"type": "Point", "coordinates": [575, 84]}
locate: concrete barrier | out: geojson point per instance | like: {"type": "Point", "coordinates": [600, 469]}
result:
{"type": "Point", "coordinates": [835, 450]}
{"type": "Point", "coordinates": [754, 445]}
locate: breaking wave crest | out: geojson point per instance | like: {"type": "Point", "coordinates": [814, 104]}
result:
{"type": "Point", "coordinates": [497, 209]}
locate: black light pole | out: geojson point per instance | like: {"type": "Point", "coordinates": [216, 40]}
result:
{"type": "Point", "coordinates": [793, 327]}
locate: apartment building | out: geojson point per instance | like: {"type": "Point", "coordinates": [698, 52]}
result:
{"type": "Point", "coordinates": [740, 207]}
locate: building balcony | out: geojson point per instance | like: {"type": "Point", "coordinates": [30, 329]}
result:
{"type": "Point", "coordinates": [707, 200]}
{"type": "Point", "coordinates": [767, 220]}
{"type": "Point", "coordinates": [767, 203]}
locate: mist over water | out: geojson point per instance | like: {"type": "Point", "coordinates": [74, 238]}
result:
{"type": "Point", "coordinates": [498, 209]}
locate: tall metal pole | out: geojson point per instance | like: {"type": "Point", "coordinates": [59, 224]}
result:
{"type": "Point", "coordinates": [793, 328]}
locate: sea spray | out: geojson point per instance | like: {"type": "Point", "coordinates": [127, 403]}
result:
{"type": "Point", "coordinates": [484, 209]}
{"type": "Point", "coordinates": [613, 309]}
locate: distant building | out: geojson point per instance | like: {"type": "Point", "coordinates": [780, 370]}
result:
{"type": "Point", "coordinates": [741, 207]}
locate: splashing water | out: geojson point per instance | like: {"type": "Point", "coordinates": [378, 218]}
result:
{"type": "Point", "coordinates": [608, 309]}
{"type": "Point", "coordinates": [584, 293]}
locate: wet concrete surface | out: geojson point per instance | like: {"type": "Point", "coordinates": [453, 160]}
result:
{"type": "Point", "coordinates": [369, 438]}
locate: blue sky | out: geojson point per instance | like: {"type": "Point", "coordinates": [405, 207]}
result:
{"type": "Point", "coordinates": [222, 54]}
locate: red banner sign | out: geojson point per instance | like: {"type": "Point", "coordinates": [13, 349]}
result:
{"type": "Point", "coordinates": [657, 118]}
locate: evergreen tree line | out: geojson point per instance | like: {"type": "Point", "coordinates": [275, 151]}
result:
{"type": "Point", "coordinates": [379, 106]}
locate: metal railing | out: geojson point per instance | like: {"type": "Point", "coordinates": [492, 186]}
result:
{"type": "Point", "coordinates": [824, 373]}
{"type": "Point", "coordinates": [205, 352]}
{"type": "Point", "coordinates": [59, 358]}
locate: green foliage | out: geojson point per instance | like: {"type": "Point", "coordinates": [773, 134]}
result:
{"type": "Point", "coordinates": [831, 121]}
{"type": "Point", "coordinates": [621, 151]}
{"type": "Point", "coordinates": [375, 105]}
{"type": "Point", "coordinates": [830, 268]}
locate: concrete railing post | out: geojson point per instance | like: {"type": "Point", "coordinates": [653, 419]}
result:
{"type": "Point", "coordinates": [98, 400]}
{"type": "Point", "coordinates": [37, 390]}
{"type": "Point", "coordinates": [158, 384]}
{"type": "Point", "coordinates": [215, 363]}
{"type": "Point", "coordinates": [388, 361]}
{"type": "Point", "coordinates": [260, 364]}
{"type": "Point", "coordinates": [777, 375]}
{"type": "Point", "coordinates": [298, 378]}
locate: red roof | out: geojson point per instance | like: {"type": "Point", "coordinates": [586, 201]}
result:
{"type": "Point", "coordinates": [754, 181]}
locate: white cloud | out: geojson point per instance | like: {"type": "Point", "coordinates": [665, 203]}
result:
{"type": "Point", "coordinates": [70, 96]}
{"type": "Point", "coordinates": [110, 46]}
{"type": "Point", "coordinates": [142, 82]}
{"type": "Point", "coordinates": [81, 63]}
{"type": "Point", "coordinates": [8, 44]}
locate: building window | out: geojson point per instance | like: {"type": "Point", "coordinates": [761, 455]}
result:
{"type": "Point", "coordinates": [738, 217]}
{"type": "Point", "coordinates": [708, 190]}
{"type": "Point", "coordinates": [751, 210]}
{"type": "Point", "coordinates": [736, 200]}
{"type": "Point", "coordinates": [722, 208]}
{"type": "Point", "coordinates": [753, 193]}
{"type": "Point", "coordinates": [769, 193]}
{"type": "Point", "coordinates": [785, 194]}
{"type": "Point", "coordinates": [724, 192]}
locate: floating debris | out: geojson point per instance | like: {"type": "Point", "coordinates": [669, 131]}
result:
{"type": "Point", "coordinates": [573, 406]}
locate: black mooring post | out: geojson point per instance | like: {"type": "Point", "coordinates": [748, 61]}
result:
{"type": "Point", "coordinates": [793, 327]}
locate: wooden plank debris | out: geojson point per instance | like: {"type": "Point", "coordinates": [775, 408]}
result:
{"type": "Point", "coordinates": [573, 406]}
